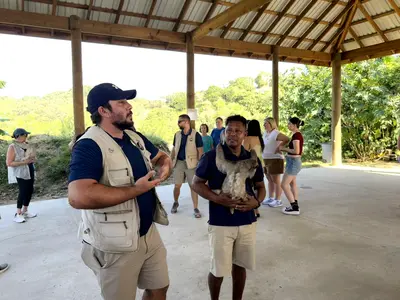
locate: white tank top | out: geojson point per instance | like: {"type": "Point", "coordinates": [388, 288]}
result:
{"type": "Point", "coordinates": [271, 144]}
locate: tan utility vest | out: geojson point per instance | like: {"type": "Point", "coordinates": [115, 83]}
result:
{"type": "Point", "coordinates": [115, 228]}
{"type": "Point", "coordinates": [191, 149]}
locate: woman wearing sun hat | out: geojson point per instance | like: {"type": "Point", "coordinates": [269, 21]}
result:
{"type": "Point", "coordinates": [20, 159]}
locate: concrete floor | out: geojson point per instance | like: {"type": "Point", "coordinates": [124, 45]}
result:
{"type": "Point", "coordinates": [345, 245]}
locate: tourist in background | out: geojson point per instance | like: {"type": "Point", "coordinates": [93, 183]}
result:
{"type": "Point", "coordinates": [254, 141]}
{"type": "Point", "coordinates": [273, 161]}
{"type": "Point", "coordinates": [218, 132]}
{"type": "Point", "coordinates": [185, 155]}
{"type": "Point", "coordinates": [208, 143]}
{"type": "Point", "coordinates": [293, 166]}
{"type": "Point", "coordinates": [20, 159]}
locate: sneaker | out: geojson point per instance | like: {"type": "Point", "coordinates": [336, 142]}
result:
{"type": "Point", "coordinates": [4, 267]}
{"type": "Point", "coordinates": [197, 213]}
{"type": "Point", "coordinates": [174, 208]}
{"type": "Point", "coordinates": [276, 203]}
{"type": "Point", "coordinates": [290, 211]}
{"type": "Point", "coordinates": [268, 201]}
{"type": "Point", "coordinates": [19, 218]}
{"type": "Point", "coordinates": [30, 215]}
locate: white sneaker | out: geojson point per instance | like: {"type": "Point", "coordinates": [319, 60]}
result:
{"type": "Point", "coordinates": [275, 203]}
{"type": "Point", "coordinates": [267, 201]}
{"type": "Point", "coordinates": [30, 215]}
{"type": "Point", "coordinates": [19, 218]}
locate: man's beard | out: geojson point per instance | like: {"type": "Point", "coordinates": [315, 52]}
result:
{"type": "Point", "coordinates": [123, 125]}
{"type": "Point", "coordinates": [181, 127]}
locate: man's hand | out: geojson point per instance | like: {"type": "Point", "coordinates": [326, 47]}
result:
{"type": "Point", "coordinates": [29, 160]}
{"type": "Point", "coordinates": [144, 184]}
{"type": "Point", "coordinates": [251, 203]}
{"type": "Point", "coordinates": [227, 201]}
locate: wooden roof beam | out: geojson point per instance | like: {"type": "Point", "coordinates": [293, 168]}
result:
{"type": "Point", "coordinates": [372, 22]}
{"type": "Point", "coordinates": [276, 21]}
{"type": "Point", "coordinates": [329, 27]}
{"type": "Point", "coordinates": [53, 8]}
{"type": "Point", "coordinates": [395, 7]}
{"type": "Point", "coordinates": [89, 10]}
{"type": "Point", "coordinates": [150, 13]}
{"type": "Point", "coordinates": [182, 14]}
{"type": "Point", "coordinates": [118, 14]}
{"type": "Point", "coordinates": [294, 24]}
{"type": "Point", "coordinates": [311, 28]}
{"type": "Point", "coordinates": [374, 51]}
{"type": "Point", "coordinates": [355, 37]}
{"type": "Point", "coordinates": [346, 28]}
{"type": "Point", "coordinates": [231, 14]}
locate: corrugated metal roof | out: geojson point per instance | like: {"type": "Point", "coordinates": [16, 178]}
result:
{"type": "Point", "coordinates": [137, 6]}
{"type": "Point", "coordinates": [264, 22]}
{"type": "Point", "coordinates": [244, 21]}
{"type": "Point", "coordinates": [298, 7]}
{"type": "Point", "coordinates": [166, 12]}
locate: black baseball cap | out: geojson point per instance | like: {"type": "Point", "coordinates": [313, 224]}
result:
{"type": "Point", "coordinates": [18, 132]}
{"type": "Point", "coordinates": [104, 92]}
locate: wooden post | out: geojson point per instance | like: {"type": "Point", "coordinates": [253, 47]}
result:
{"type": "Point", "coordinates": [190, 74]}
{"type": "Point", "coordinates": [77, 87]}
{"type": "Point", "coordinates": [336, 110]}
{"type": "Point", "coordinates": [275, 85]}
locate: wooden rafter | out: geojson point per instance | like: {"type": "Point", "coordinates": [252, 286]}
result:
{"type": "Point", "coordinates": [118, 14]}
{"type": "Point", "coordinates": [54, 8]}
{"type": "Point", "coordinates": [218, 2]}
{"type": "Point", "coordinates": [150, 13]}
{"type": "Point", "coordinates": [260, 13]}
{"type": "Point", "coordinates": [346, 28]}
{"type": "Point", "coordinates": [294, 24]}
{"type": "Point", "coordinates": [89, 9]}
{"type": "Point", "coordinates": [329, 27]}
{"type": "Point", "coordinates": [395, 7]}
{"type": "Point", "coordinates": [372, 22]}
{"type": "Point", "coordinates": [182, 14]}
{"type": "Point", "coordinates": [211, 10]}
{"type": "Point", "coordinates": [355, 37]}
{"type": "Point", "coordinates": [335, 37]}
{"type": "Point", "coordinates": [239, 9]}
{"type": "Point", "coordinates": [276, 21]}
{"type": "Point", "coordinates": [311, 28]}
{"type": "Point", "coordinates": [226, 29]}
{"type": "Point", "coordinates": [378, 50]}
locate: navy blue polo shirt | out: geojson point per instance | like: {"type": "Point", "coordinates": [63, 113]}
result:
{"type": "Point", "coordinates": [182, 149]}
{"type": "Point", "coordinates": [87, 163]}
{"type": "Point", "coordinates": [207, 170]}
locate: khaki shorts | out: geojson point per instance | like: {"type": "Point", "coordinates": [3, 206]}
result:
{"type": "Point", "coordinates": [232, 245]}
{"type": "Point", "coordinates": [274, 166]}
{"type": "Point", "coordinates": [181, 172]}
{"type": "Point", "coordinates": [120, 274]}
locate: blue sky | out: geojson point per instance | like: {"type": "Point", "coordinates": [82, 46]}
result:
{"type": "Point", "coordinates": [37, 66]}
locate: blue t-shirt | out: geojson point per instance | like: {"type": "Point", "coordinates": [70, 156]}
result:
{"type": "Point", "coordinates": [207, 142]}
{"type": "Point", "coordinates": [207, 170]}
{"type": "Point", "coordinates": [87, 163]}
{"type": "Point", "coordinates": [182, 149]}
{"type": "Point", "coordinates": [216, 135]}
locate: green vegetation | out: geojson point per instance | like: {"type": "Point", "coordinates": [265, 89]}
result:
{"type": "Point", "coordinates": [370, 96]}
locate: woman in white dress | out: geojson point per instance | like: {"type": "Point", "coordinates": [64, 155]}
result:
{"type": "Point", "coordinates": [273, 161]}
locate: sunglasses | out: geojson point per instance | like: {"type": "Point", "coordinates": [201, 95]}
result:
{"type": "Point", "coordinates": [180, 121]}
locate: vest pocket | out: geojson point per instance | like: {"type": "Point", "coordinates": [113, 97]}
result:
{"type": "Point", "coordinates": [119, 177]}
{"type": "Point", "coordinates": [115, 229]}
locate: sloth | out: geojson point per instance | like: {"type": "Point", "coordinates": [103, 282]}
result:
{"type": "Point", "coordinates": [236, 174]}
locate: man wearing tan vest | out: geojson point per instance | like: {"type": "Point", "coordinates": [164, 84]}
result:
{"type": "Point", "coordinates": [111, 182]}
{"type": "Point", "coordinates": [186, 153]}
